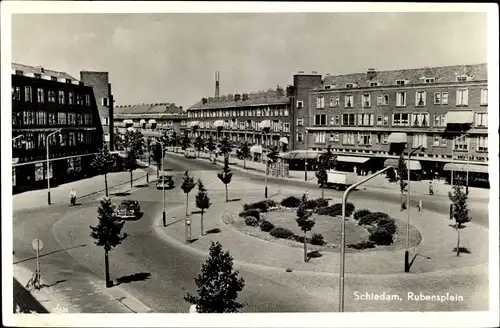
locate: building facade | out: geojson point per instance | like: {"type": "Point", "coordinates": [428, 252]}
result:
{"type": "Point", "coordinates": [363, 117]}
{"type": "Point", "coordinates": [151, 119]}
{"type": "Point", "coordinates": [242, 117]}
{"type": "Point", "coordinates": [44, 102]}
{"type": "Point", "coordinates": [99, 81]}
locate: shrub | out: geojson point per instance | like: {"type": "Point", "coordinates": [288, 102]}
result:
{"type": "Point", "coordinates": [280, 232]}
{"type": "Point", "coordinates": [381, 215]}
{"type": "Point", "coordinates": [388, 224]}
{"type": "Point", "coordinates": [251, 212]}
{"type": "Point", "coordinates": [336, 209]}
{"type": "Point", "coordinates": [316, 203]}
{"type": "Point", "coordinates": [381, 236]}
{"type": "Point", "coordinates": [251, 221]}
{"type": "Point", "coordinates": [266, 226]}
{"type": "Point", "coordinates": [261, 206]}
{"type": "Point", "coordinates": [300, 239]}
{"type": "Point", "coordinates": [270, 203]}
{"type": "Point", "coordinates": [323, 210]}
{"type": "Point", "coordinates": [291, 201]}
{"type": "Point", "coordinates": [317, 239]}
{"type": "Point", "coordinates": [361, 213]}
{"type": "Point", "coordinates": [362, 245]}
{"type": "Point", "coordinates": [349, 209]}
{"type": "Point", "coordinates": [368, 219]}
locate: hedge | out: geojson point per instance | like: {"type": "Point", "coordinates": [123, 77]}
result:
{"type": "Point", "coordinates": [381, 236]}
{"type": "Point", "coordinates": [280, 232]}
{"type": "Point", "coordinates": [362, 245]}
{"type": "Point", "coordinates": [251, 212]}
{"type": "Point", "coordinates": [291, 202]}
{"type": "Point", "coordinates": [251, 221]}
{"type": "Point", "coordinates": [317, 239]}
{"type": "Point", "coordinates": [266, 226]}
{"type": "Point", "coordinates": [369, 219]}
{"type": "Point", "coordinates": [388, 224]}
{"type": "Point", "coordinates": [361, 213]}
{"type": "Point", "coordinates": [336, 210]}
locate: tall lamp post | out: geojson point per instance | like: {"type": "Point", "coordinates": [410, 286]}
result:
{"type": "Point", "coordinates": [307, 153]}
{"type": "Point", "coordinates": [407, 254]}
{"type": "Point", "coordinates": [342, 243]}
{"type": "Point", "coordinates": [163, 180]}
{"type": "Point", "coordinates": [468, 156]}
{"type": "Point", "coordinates": [48, 178]}
{"type": "Point", "coordinates": [264, 130]}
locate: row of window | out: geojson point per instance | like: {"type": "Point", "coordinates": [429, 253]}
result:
{"type": "Point", "coordinates": [365, 139]}
{"type": "Point", "coordinates": [426, 80]}
{"type": "Point", "coordinates": [38, 140]}
{"type": "Point", "coordinates": [440, 98]}
{"type": "Point", "coordinates": [52, 96]}
{"type": "Point", "coordinates": [234, 124]}
{"type": "Point", "coordinates": [240, 112]}
{"type": "Point", "coordinates": [398, 119]}
{"type": "Point", "coordinates": [252, 139]}
{"type": "Point", "coordinates": [29, 117]}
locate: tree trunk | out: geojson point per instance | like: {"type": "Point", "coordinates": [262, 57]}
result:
{"type": "Point", "coordinates": [131, 179]}
{"type": "Point", "coordinates": [322, 191]}
{"type": "Point", "coordinates": [305, 247]}
{"type": "Point", "coordinates": [106, 267]}
{"type": "Point", "coordinates": [244, 163]}
{"type": "Point", "coordinates": [187, 199]}
{"type": "Point", "coordinates": [106, 183]}
{"type": "Point", "coordinates": [458, 240]}
{"type": "Point", "coordinates": [157, 170]}
{"type": "Point", "coordinates": [202, 222]}
{"type": "Point", "coordinates": [226, 194]}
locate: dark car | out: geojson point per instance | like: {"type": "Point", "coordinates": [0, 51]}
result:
{"type": "Point", "coordinates": [167, 180]}
{"type": "Point", "coordinates": [128, 209]}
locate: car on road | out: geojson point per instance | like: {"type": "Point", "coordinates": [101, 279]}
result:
{"type": "Point", "coordinates": [190, 153]}
{"type": "Point", "coordinates": [128, 209]}
{"type": "Point", "coordinates": [167, 180]}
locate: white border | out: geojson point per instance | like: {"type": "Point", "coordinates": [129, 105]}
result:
{"type": "Point", "coordinates": [395, 319]}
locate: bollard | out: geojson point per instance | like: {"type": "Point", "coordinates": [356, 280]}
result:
{"type": "Point", "coordinates": [188, 230]}
{"type": "Point", "coordinates": [420, 205]}
{"type": "Point", "coordinates": [147, 177]}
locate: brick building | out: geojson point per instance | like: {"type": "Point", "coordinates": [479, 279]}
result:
{"type": "Point", "coordinates": [366, 117]}
{"type": "Point", "coordinates": [44, 101]}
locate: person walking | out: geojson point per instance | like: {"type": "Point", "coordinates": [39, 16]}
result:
{"type": "Point", "coordinates": [403, 200]}
{"type": "Point", "coordinates": [72, 197]}
{"type": "Point", "coordinates": [431, 188]}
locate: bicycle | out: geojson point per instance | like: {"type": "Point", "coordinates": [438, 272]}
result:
{"type": "Point", "coordinates": [34, 282]}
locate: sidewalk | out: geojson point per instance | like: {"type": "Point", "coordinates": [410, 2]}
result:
{"type": "Point", "coordinates": [379, 182]}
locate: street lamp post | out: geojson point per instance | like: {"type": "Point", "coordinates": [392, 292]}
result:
{"type": "Point", "coordinates": [163, 180]}
{"type": "Point", "coordinates": [48, 177]}
{"type": "Point", "coordinates": [342, 243]}
{"type": "Point", "coordinates": [468, 156]}
{"type": "Point", "coordinates": [307, 153]}
{"type": "Point", "coordinates": [407, 254]}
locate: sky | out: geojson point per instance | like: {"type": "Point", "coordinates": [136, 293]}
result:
{"type": "Point", "coordinates": [172, 57]}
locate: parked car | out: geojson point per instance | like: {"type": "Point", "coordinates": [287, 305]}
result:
{"type": "Point", "coordinates": [190, 153]}
{"type": "Point", "coordinates": [340, 180]}
{"type": "Point", "coordinates": [167, 180]}
{"type": "Point", "coordinates": [128, 209]}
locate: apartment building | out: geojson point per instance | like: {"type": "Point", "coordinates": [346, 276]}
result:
{"type": "Point", "coordinates": [151, 119]}
{"type": "Point", "coordinates": [367, 117]}
{"type": "Point", "coordinates": [43, 102]}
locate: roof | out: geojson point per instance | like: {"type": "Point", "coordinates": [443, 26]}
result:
{"type": "Point", "coordinates": [41, 70]}
{"type": "Point", "coordinates": [443, 74]}
{"type": "Point", "coordinates": [269, 97]}
{"type": "Point", "coordinates": [157, 108]}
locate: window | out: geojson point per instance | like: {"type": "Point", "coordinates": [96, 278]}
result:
{"type": "Point", "coordinates": [29, 118]}
{"type": "Point", "coordinates": [349, 85]}
{"type": "Point", "coordinates": [439, 120]}
{"type": "Point", "coordinates": [79, 119]}
{"type": "Point", "coordinates": [71, 139]}
{"type": "Point", "coordinates": [87, 119]}
{"type": "Point", "coordinates": [71, 118]}
{"type": "Point", "coordinates": [27, 94]}
{"type": "Point", "coordinates": [40, 95]}
{"type": "Point", "coordinates": [87, 100]}
{"type": "Point", "coordinates": [430, 80]}
{"type": "Point", "coordinates": [337, 120]}
{"type": "Point", "coordinates": [439, 141]}
{"type": "Point", "coordinates": [320, 102]}
{"type": "Point", "coordinates": [462, 97]}
{"type": "Point", "coordinates": [348, 138]}
{"type": "Point", "coordinates": [364, 139]}
{"type": "Point", "coordinates": [444, 142]}
{"type": "Point", "coordinates": [420, 119]}
{"type": "Point", "coordinates": [320, 119]}
{"type": "Point", "coordinates": [437, 98]}
{"type": "Point", "coordinates": [365, 101]}
{"type": "Point", "coordinates": [61, 97]}
{"type": "Point", "coordinates": [484, 97]}
{"type": "Point", "coordinates": [400, 82]}
{"type": "Point", "coordinates": [300, 122]}
{"type": "Point", "coordinates": [373, 84]}
{"type": "Point", "coordinates": [51, 96]}
{"type": "Point", "coordinates": [444, 99]}
{"type": "Point", "coordinates": [379, 120]}
{"type": "Point", "coordinates": [105, 120]}
{"type": "Point", "coordinates": [462, 78]}
{"type": "Point", "coordinates": [461, 144]}
{"type": "Point", "coordinates": [420, 98]}
{"type": "Point", "coordinates": [400, 119]}
{"type": "Point", "coordinates": [332, 120]}
{"type": "Point", "coordinates": [79, 99]}
{"type": "Point", "coordinates": [300, 137]}
{"type": "Point", "coordinates": [419, 140]}
{"type": "Point", "coordinates": [286, 112]}
{"type": "Point", "coordinates": [482, 120]}
{"type": "Point", "coordinates": [482, 143]}
{"type": "Point", "coordinates": [348, 101]}
{"type": "Point", "coordinates": [61, 118]}
{"type": "Point", "coordinates": [41, 140]}
{"type": "Point", "coordinates": [334, 101]}
{"type": "Point", "coordinates": [16, 93]}
{"type": "Point", "coordinates": [30, 140]}
{"type": "Point", "coordinates": [382, 138]}
{"type": "Point", "coordinates": [365, 119]}
{"type": "Point", "coordinates": [300, 105]}
{"type": "Point", "coordinates": [276, 112]}
{"type": "Point", "coordinates": [320, 137]}
{"type": "Point", "coordinates": [349, 119]}
{"type": "Point", "coordinates": [334, 137]}
{"type": "Point", "coordinates": [52, 118]}
{"type": "Point", "coordinates": [104, 102]}
{"type": "Point", "coordinates": [41, 118]}
{"type": "Point", "coordinates": [401, 99]}
{"type": "Point", "coordinates": [79, 137]}
{"type": "Point", "coordinates": [286, 127]}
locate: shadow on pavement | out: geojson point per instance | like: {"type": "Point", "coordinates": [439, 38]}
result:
{"type": "Point", "coordinates": [132, 277]}
{"type": "Point", "coordinates": [462, 250]}
{"type": "Point", "coordinates": [24, 302]}
{"type": "Point", "coordinates": [53, 284]}
{"type": "Point", "coordinates": [190, 241]}
{"type": "Point", "coordinates": [313, 255]}
{"type": "Point", "coordinates": [42, 255]}
{"type": "Point", "coordinates": [413, 260]}
{"type": "Point", "coordinates": [142, 186]}
{"type": "Point", "coordinates": [234, 200]}
{"type": "Point", "coordinates": [216, 230]}
{"type": "Point", "coordinates": [121, 194]}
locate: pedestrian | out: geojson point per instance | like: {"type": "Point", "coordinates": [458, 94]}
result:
{"type": "Point", "coordinates": [431, 189]}
{"type": "Point", "coordinates": [72, 197]}
{"type": "Point", "coordinates": [403, 200]}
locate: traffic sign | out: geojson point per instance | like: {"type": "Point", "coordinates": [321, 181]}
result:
{"type": "Point", "coordinates": [37, 244]}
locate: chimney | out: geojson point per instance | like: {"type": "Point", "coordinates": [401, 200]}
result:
{"type": "Point", "coordinates": [279, 92]}
{"type": "Point", "coordinates": [210, 100]}
{"type": "Point", "coordinates": [203, 101]}
{"type": "Point", "coordinates": [217, 84]}
{"type": "Point", "coordinates": [39, 69]}
{"type": "Point", "coordinates": [289, 91]}
{"type": "Point", "coordinates": [371, 73]}
{"type": "Point", "coordinates": [245, 96]}
{"type": "Point", "coordinates": [180, 107]}
{"type": "Point", "coordinates": [237, 97]}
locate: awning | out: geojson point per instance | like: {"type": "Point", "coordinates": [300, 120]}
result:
{"type": "Point", "coordinates": [284, 140]}
{"type": "Point", "coordinates": [128, 122]}
{"type": "Point", "coordinates": [397, 137]}
{"type": "Point", "coordinates": [193, 124]}
{"type": "Point", "coordinates": [219, 124]}
{"type": "Point", "coordinates": [266, 124]}
{"type": "Point", "coordinates": [256, 149]}
{"type": "Point", "coordinates": [465, 168]}
{"type": "Point", "coordinates": [152, 121]}
{"type": "Point", "coordinates": [459, 117]}
{"type": "Point", "coordinates": [414, 165]}
{"type": "Point", "coordinates": [352, 159]}
{"type": "Point", "coordinates": [143, 121]}
{"type": "Point", "coordinates": [300, 155]}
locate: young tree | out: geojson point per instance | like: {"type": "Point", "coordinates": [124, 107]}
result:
{"type": "Point", "coordinates": [108, 232]}
{"type": "Point", "coordinates": [243, 153]}
{"type": "Point", "coordinates": [326, 161]}
{"type": "Point", "coordinates": [460, 210]}
{"type": "Point", "coordinates": [185, 142]}
{"type": "Point", "coordinates": [304, 221]}
{"type": "Point", "coordinates": [118, 140]}
{"type": "Point", "coordinates": [103, 163]}
{"type": "Point", "coordinates": [187, 185]}
{"type": "Point", "coordinates": [174, 140]}
{"type": "Point", "coordinates": [226, 175]}
{"type": "Point", "coordinates": [202, 201]}
{"type": "Point", "coordinates": [402, 177]}
{"type": "Point", "coordinates": [156, 155]}
{"type": "Point", "coordinates": [199, 144]}
{"type": "Point", "coordinates": [225, 147]}
{"type": "Point", "coordinates": [211, 146]}
{"type": "Point", "coordinates": [218, 285]}
{"type": "Point", "coordinates": [134, 143]}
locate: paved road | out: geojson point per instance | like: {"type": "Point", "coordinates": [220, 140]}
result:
{"type": "Point", "coordinates": [440, 204]}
